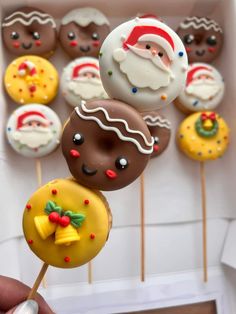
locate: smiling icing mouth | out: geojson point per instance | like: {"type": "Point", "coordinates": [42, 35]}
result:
{"type": "Point", "coordinates": [88, 171]}
{"type": "Point", "coordinates": [200, 53]}
{"type": "Point", "coordinates": [25, 46]}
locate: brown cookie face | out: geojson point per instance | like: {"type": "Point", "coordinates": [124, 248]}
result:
{"type": "Point", "coordinates": [202, 38]}
{"type": "Point", "coordinates": [78, 41]}
{"type": "Point", "coordinates": [29, 31]}
{"type": "Point", "coordinates": [106, 144]}
{"type": "Point", "coordinates": [160, 130]}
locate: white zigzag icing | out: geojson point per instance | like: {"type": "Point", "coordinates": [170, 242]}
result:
{"type": "Point", "coordinates": [30, 21]}
{"type": "Point", "coordinates": [157, 121]}
{"type": "Point", "coordinates": [26, 15]}
{"type": "Point", "coordinates": [201, 22]}
{"type": "Point", "coordinates": [116, 130]}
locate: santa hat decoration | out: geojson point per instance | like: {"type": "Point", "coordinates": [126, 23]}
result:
{"type": "Point", "coordinates": [195, 72]}
{"type": "Point", "coordinates": [142, 33]}
{"type": "Point", "coordinates": [85, 67]}
{"type": "Point", "coordinates": [31, 116]}
{"type": "Point", "coordinates": [27, 65]}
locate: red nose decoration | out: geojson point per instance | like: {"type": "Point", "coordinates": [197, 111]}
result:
{"type": "Point", "coordinates": [155, 148]}
{"type": "Point", "coordinates": [111, 174]}
{"type": "Point", "coordinates": [74, 153]}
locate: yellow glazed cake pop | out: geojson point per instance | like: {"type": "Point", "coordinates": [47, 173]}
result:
{"type": "Point", "coordinates": [66, 224]}
{"type": "Point", "coordinates": [203, 136]}
{"type": "Point", "coordinates": [31, 79]}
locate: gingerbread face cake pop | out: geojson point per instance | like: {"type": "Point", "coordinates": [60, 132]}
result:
{"type": "Point", "coordinates": [160, 129]}
{"type": "Point", "coordinates": [203, 136]}
{"type": "Point", "coordinates": [29, 31]}
{"type": "Point", "coordinates": [143, 63]}
{"type": "Point", "coordinates": [204, 89]}
{"type": "Point", "coordinates": [202, 38]}
{"type": "Point", "coordinates": [83, 31]}
{"type": "Point", "coordinates": [106, 144]}
{"type": "Point", "coordinates": [81, 81]}
{"type": "Point", "coordinates": [34, 130]}
{"type": "Point", "coordinates": [66, 224]}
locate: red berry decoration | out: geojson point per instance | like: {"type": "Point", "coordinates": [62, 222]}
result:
{"type": "Point", "coordinates": [92, 236]}
{"type": "Point", "coordinates": [54, 217]}
{"type": "Point", "coordinates": [67, 259]}
{"type": "Point", "coordinates": [28, 206]}
{"type": "Point", "coordinates": [64, 221]}
{"type": "Point", "coordinates": [54, 191]}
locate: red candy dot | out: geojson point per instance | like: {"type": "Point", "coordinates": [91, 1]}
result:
{"type": "Point", "coordinates": [111, 174]}
{"type": "Point", "coordinates": [16, 44]}
{"type": "Point", "coordinates": [96, 43]}
{"type": "Point", "coordinates": [38, 43]}
{"type": "Point", "coordinates": [32, 88]}
{"type": "Point", "coordinates": [92, 236]}
{"type": "Point", "coordinates": [30, 241]}
{"type": "Point", "coordinates": [86, 202]}
{"type": "Point", "coordinates": [73, 43]}
{"type": "Point", "coordinates": [54, 191]}
{"type": "Point", "coordinates": [74, 153]}
{"type": "Point", "coordinates": [211, 49]}
{"type": "Point", "coordinates": [67, 259]}
{"type": "Point", "coordinates": [155, 148]}
{"type": "Point", "coordinates": [28, 206]}
{"type": "Point", "coordinates": [188, 49]}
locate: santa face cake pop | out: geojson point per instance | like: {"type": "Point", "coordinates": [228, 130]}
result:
{"type": "Point", "coordinates": [203, 136]}
{"type": "Point", "coordinates": [202, 38]}
{"type": "Point", "coordinates": [204, 89]}
{"type": "Point", "coordinates": [66, 224]}
{"type": "Point", "coordinates": [29, 31]}
{"type": "Point", "coordinates": [106, 144]}
{"type": "Point", "coordinates": [143, 63]}
{"type": "Point", "coordinates": [31, 78]}
{"type": "Point", "coordinates": [81, 81]}
{"type": "Point", "coordinates": [34, 130]}
{"type": "Point", "coordinates": [82, 32]}
{"type": "Point", "coordinates": [160, 129]}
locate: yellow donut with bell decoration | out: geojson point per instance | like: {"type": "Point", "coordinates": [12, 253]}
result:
{"type": "Point", "coordinates": [66, 224]}
{"type": "Point", "coordinates": [203, 136]}
{"type": "Point", "coordinates": [31, 79]}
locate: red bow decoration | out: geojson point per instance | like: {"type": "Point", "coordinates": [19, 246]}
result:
{"type": "Point", "coordinates": [211, 116]}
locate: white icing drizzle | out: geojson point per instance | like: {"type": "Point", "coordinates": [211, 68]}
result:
{"type": "Point", "coordinates": [114, 129]}
{"type": "Point", "coordinates": [27, 15]}
{"type": "Point", "coordinates": [30, 21]}
{"type": "Point", "coordinates": [200, 22]}
{"type": "Point", "coordinates": [157, 121]}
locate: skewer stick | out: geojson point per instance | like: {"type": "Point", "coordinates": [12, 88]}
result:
{"type": "Point", "coordinates": [90, 273]}
{"type": "Point", "coordinates": [204, 221]}
{"type": "Point", "coordinates": [142, 216]}
{"type": "Point", "coordinates": [40, 277]}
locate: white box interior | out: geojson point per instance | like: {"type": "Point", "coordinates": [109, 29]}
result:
{"type": "Point", "coordinates": [172, 195]}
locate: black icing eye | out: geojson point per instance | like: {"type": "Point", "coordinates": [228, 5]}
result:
{"type": "Point", "coordinates": [14, 35]}
{"type": "Point", "coordinates": [95, 36]}
{"type": "Point", "coordinates": [156, 140]}
{"type": "Point", "coordinates": [78, 139]}
{"type": "Point", "coordinates": [148, 46]}
{"type": "Point", "coordinates": [121, 163]}
{"type": "Point", "coordinates": [211, 40]}
{"type": "Point", "coordinates": [160, 54]}
{"type": "Point", "coordinates": [188, 39]}
{"type": "Point", "coordinates": [71, 35]}
{"type": "Point", "coordinates": [36, 35]}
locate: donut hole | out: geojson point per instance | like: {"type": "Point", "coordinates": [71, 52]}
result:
{"type": "Point", "coordinates": [105, 144]}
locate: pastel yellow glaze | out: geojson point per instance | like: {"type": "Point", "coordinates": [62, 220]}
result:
{"type": "Point", "coordinates": [202, 148]}
{"type": "Point", "coordinates": [45, 81]}
{"type": "Point", "coordinates": [82, 243]}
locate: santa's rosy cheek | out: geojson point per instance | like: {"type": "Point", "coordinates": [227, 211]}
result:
{"type": "Point", "coordinates": [211, 49]}
{"type": "Point", "coordinates": [73, 43]}
{"type": "Point", "coordinates": [38, 43]}
{"type": "Point", "coordinates": [111, 174]}
{"type": "Point", "coordinates": [16, 44]}
{"type": "Point", "coordinates": [96, 43]}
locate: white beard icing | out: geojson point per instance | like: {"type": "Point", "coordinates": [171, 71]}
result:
{"type": "Point", "coordinates": [33, 137]}
{"type": "Point", "coordinates": [142, 72]}
{"type": "Point", "coordinates": [203, 89]}
{"type": "Point", "coordinates": [87, 88]}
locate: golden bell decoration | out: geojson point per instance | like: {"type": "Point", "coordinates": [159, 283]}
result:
{"type": "Point", "coordinates": [208, 124]}
{"type": "Point", "coordinates": [66, 235]}
{"type": "Point", "coordinates": [44, 226]}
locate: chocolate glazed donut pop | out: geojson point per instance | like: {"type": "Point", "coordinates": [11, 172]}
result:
{"type": "Point", "coordinates": [106, 144]}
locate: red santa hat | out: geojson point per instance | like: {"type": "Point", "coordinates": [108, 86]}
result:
{"type": "Point", "coordinates": [31, 116]}
{"type": "Point", "coordinates": [150, 33]}
{"type": "Point", "coordinates": [196, 71]}
{"type": "Point", "coordinates": [85, 67]}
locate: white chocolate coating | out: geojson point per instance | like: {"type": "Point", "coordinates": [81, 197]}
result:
{"type": "Point", "coordinates": [169, 79]}
{"type": "Point", "coordinates": [76, 88]}
{"type": "Point", "coordinates": [34, 130]}
{"type": "Point", "coordinates": [195, 98]}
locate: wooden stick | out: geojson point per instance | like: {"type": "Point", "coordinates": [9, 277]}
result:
{"type": "Point", "coordinates": [142, 216]}
{"type": "Point", "coordinates": [34, 289]}
{"type": "Point", "coordinates": [90, 273]}
{"type": "Point", "coordinates": [204, 221]}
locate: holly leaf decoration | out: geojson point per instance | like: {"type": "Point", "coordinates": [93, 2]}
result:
{"type": "Point", "coordinates": [52, 207]}
{"type": "Point", "coordinates": [76, 220]}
